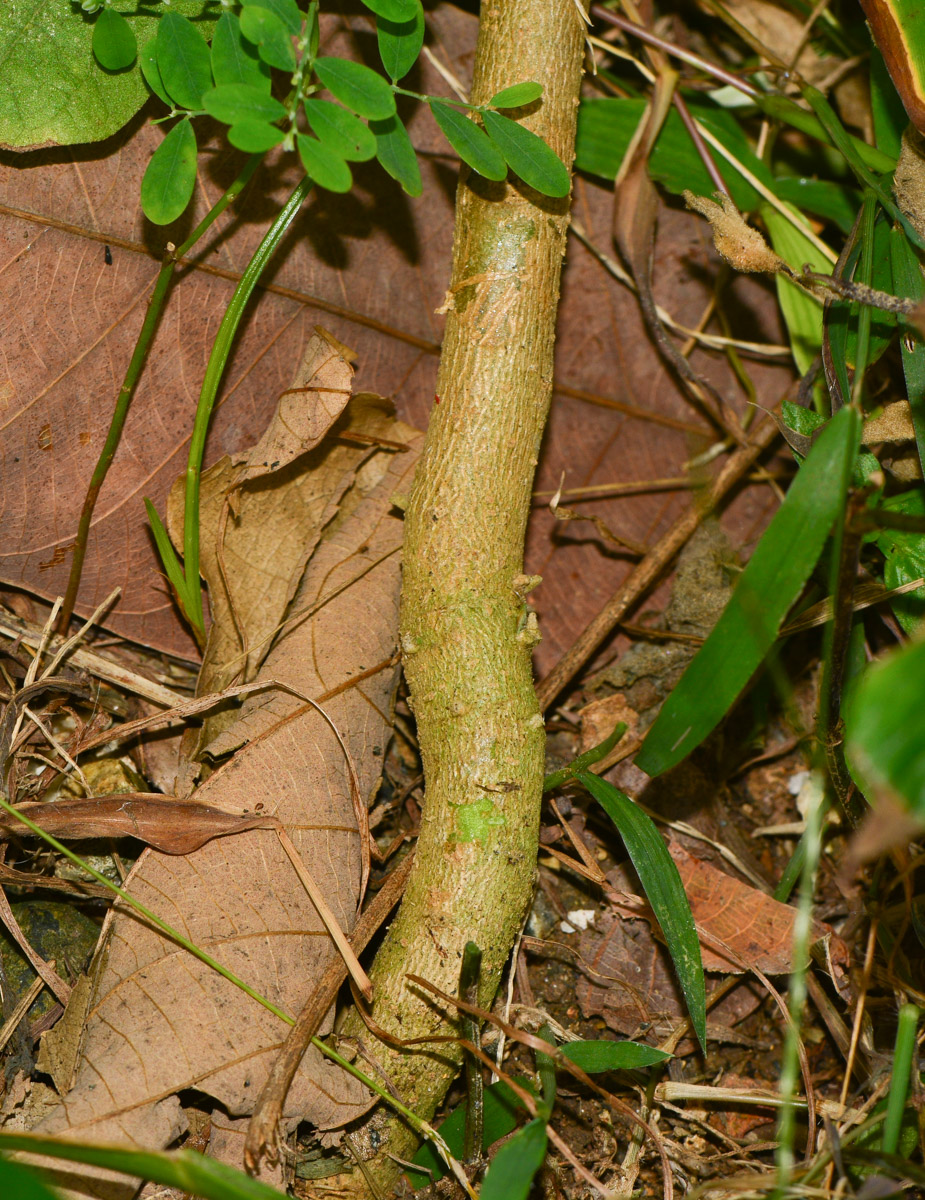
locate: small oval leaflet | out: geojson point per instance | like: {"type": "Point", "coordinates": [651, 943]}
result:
{"type": "Point", "coordinates": [147, 60]}
{"type": "Point", "coordinates": [517, 95]}
{"type": "Point", "coordinates": [396, 154]}
{"type": "Point", "coordinates": [356, 86]}
{"type": "Point", "coordinates": [323, 165]}
{"type": "Point", "coordinates": [471, 143]}
{"type": "Point", "coordinates": [340, 130]}
{"type": "Point", "coordinates": [274, 44]}
{"type": "Point", "coordinates": [234, 102]}
{"type": "Point", "coordinates": [183, 60]}
{"type": "Point", "coordinates": [114, 45]}
{"type": "Point", "coordinates": [400, 44]}
{"type": "Point", "coordinates": [235, 60]}
{"type": "Point", "coordinates": [394, 10]}
{"type": "Point", "coordinates": [171, 174]}
{"type": "Point", "coordinates": [528, 155]}
{"type": "Point", "coordinates": [254, 136]}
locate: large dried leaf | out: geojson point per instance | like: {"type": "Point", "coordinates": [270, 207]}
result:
{"type": "Point", "coordinates": [372, 267]}
{"type": "Point", "coordinates": [161, 1021]}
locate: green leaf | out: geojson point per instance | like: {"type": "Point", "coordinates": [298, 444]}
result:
{"type": "Point", "coordinates": [512, 1169]}
{"type": "Point", "coordinates": [770, 583]}
{"type": "Point", "coordinates": [801, 420]}
{"type": "Point", "coordinates": [183, 60]}
{"type": "Point", "coordinates": [147, 58]}
{"type": "Point", "coordinates": [661, 882]}
{"type": "Point", "coordinates": [517, 95]}
{"type": "Point", "coordinates": [890, 118]}
{"type": "Point", "coordinates": [907, 279]}
{"type": "Point", "coordinates": [340, 130]}
{"type": "Point", "coordinates": [362, 90]}
{"type": "Point", "coordinates": [170, 176]}
{"type": "Point", "coordinates": [325, 167]}
{"type": "Point", "coordinates": [398, 11]}
{"type": "Point", "coordinates": [235, 60]}
{"type": "Point", "coordinates": [396, 154]}
{"type": "Point", "coordinates": [594, 1057]}
{"type": "Point", "coordinates": [54, 91]}
{"type": "Point", "coordinates": [501, 1111]}
{"type": "Point", "coordinates": [286, 11]}
{"type": "Point", "coordinates": [183, 1169]}
{"type": "Point", "coordinates": [822, 197]}
{"type": "Point", "coordinates": [400, 43]}
{"type": "Point", "coordinates": [254, 136]}
{"type": "Point", "coordinates": [18, 1182]}
{"type": "Point", "coordinates": [234, 102]}
{"type": "Point", "coordinates": [885, 726]}
{"type": "Point", "coordinates": [269, 35]}
{"type": "Point", "coordinates": [113, 41]}
{"type": "Point", "coordinates": [528, 155]}
{"type": "Point", "coordinates": [802, 312]}
{"type": "Point", "coordinates": [471, 143]}
{"type": "Point", "coordinates": [904, 555]}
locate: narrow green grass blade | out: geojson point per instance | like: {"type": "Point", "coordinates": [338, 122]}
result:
{"type": "Point", "coordinates": [168, 556]}
{"type": "Point", "coordinates": [664, 891]}
{"type": "Point", "coordinates": [767, 588]}
{"type": "Point", "coordinates": [908, 282]}
{"type": "Point", "coordinates": [597, 1056]}
{"type": "Point", "coordinates": [22, 1184]}
{"type": "Point", "coordinates": [182, 1169]}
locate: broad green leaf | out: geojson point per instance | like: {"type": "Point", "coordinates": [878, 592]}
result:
{"type": "Point", "coordinates": [769, 585]}
{"type": "Point", "coordinates": [904, 559]}
{"type": "Point", "coordinates": [400, 43]}
{"type": "Point", "coordinates": [528, 156]}
{"type": "Point", "coordinates": [471, 143]}
{"type": "Point", "coordinates": [340, 130]}
{"type": "Point", "coordinates": [234, 102]}
{"type": "Point", "coordinates": [501, 1110]}
{"type": "Point", "coordinates": [114, 43]}
{"type": "Point", "coordinates": [890, 118]}
{"type": "Point", "coordinates": [286, 11]}
{"type": "Point", "coordinates": [801, 420]}
{"type": "Point", "coordinates": [53, 91]}
{"type": "Point", "coordinates": [235, 60]}
{"type": "Point", "coordinates": [605, 128]}
{"type": "Point", "coordinates": [254, 136]}
{"type": "Point", "coordinates": [183, 1169]}
{"type": "Point", "coordinates": [269, 35]}
{"type": "Point", "coordinates": [362, 90]}
{"type": "Point", "coordinates": [908, 282]}
{"type": "Point", "coordinates": [170, 176]}
{"type": "Point", "coordinates": [325, 167]}
{"type": "Point", "coordinates": [147, 58]}
{"type": "Point", "coordinates": [396, 154]}
{"type": "Point", "coordinates": [394, 10]}
{"type": "Point", "coordinates": [822, 197]}
{"type": "Point", "coordinates": [898, 31]}
{"type": "Point", "coordinates": [594, 1057]}
{"type": "Point", "coordinates": [512, 1169]}
{"type": "Point", "coordinates": [664, 891]}
{"type": "Point", "coordinates": [802, 312]}
{"type": "Point", "coordinates": [21, 1184]}
{"type": "Point", "coordinates": [183, 60]}
{"type": "Point", "coordinates": [885, 726]}
{"type": "Point", "coordinates": [517, 95]}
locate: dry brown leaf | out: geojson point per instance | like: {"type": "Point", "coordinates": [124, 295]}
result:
{"type": "Point", "coordinates": [164, 822]}
{"type": "Point", "coordinates": [161, 1020]}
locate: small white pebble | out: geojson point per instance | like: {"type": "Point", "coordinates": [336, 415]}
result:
{"type": "Point", "coordinates": [582, 918]}
{"type": "Point", "coordinates": [796, 781]}
{"type": "Point", "coordinates": [566, 928]}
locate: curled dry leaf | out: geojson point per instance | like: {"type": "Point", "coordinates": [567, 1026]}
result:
{"type": "Point", "coordinates": [161, 1021]}
{"type": "Point", "coordinates": [740, 245]}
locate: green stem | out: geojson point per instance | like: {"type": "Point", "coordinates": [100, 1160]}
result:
{"type": "Point", "coordinates": [214, 371]}
{"type": "Point", "coordinates": [129, 383]}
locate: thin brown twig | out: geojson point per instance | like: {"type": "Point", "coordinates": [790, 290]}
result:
{"type": "Point", "coordinates": [651, 567]}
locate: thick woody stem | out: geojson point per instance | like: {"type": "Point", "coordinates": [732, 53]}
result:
{"type": "Point", "coordinates": [466, 631]}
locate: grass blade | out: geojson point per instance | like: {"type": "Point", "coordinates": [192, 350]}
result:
{"type": "Point", "coordinates": [664, 891]}
{"type": "Point", "coordinates": [769, 585]}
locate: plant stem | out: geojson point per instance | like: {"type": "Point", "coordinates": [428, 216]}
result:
{"type": "Point", "coordinates": [218, 359]}
{"type": "Point", "coordinates": [903, 1054]}
{"type": "Point", "coordinates": [129, 383]}
{"type": "Point", "coordinates": [465, 635]}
